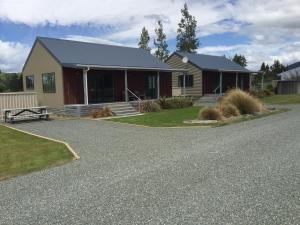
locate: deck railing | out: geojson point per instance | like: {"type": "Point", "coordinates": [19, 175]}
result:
{"type": "Point", "coordinates": [18, 100]}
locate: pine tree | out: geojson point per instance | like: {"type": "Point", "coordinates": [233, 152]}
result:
{"type": "Point", "coordinates": [240, 59]}
{"type": "Point", "coordinates": [144, 40]}
{"type": "Point", "coordinates": [186, 33]}
{"type": "Point", "coordinates": [160, 43]}
{"type": "Point", "coordinates": [263, 67]}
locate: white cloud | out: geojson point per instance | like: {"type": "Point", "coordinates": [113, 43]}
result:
{"type": "Point", "coordinates": [271, 26]}
{"type": "Point", "coordinates": [12, 56]}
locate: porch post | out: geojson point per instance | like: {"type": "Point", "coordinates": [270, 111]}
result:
{"type": "Point", "coordinates": [184, 89]}
{"type": "Point", "coordinates": [242, 82]}
{"type": "Point", "coordinates": [221, 81]}
{"type": "Point", "coordinates": [250, 82]}
{"type": "Point", "coordinates": [236, 80]}
{"type": "Point", "coordinates": [158, 85]}
{"type": "Point", "coordinates": [126, 87]}
{"type": "Point", "coordinates": [85, 87]}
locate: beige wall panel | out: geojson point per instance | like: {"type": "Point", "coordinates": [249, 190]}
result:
{"type": "Point", "coordinates": [39, 62]}
{"type": "Point", "coordinates": [176, 63]}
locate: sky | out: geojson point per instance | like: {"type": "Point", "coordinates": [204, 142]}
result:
{"type": "Point", "coordinates": [261, 30]}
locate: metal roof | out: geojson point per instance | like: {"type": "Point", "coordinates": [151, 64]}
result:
{"type": "Point", "coordinates": [294, 65]}
{"type": "Point", "coordinates": [76, 54]}
{"type": "Point", "coordinates": [213, 63]}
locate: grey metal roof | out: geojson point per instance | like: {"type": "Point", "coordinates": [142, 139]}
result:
{"type": "Point", "coordinates": [78, 54]}
{"type": "Point", "coordinates": [213, 63]}
{"type": "Point", "coordinates": [294, 65]}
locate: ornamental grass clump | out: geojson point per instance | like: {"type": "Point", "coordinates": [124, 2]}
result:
{"type": "Point", "coordinates": [243, 101]}
{"type": "Point", "coordinates": [229, 110]}
{"type": "Point", "coordinates": [210, 113]}
{"type": "Point", "coordinates": [104, 112]}
{"type": "Point", "coordinates": [149, 106]}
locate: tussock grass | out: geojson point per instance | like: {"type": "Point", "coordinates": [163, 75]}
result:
{"type": "Point", "coordinates": [243, 101]}
{"type": "Point", "coordinates": [228, 110]}
{"type": "Point", "coordinates": [104, 112]}
{"type": "Point", "coordinates": [209, 113]}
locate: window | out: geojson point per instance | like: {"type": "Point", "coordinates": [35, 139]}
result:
{"type": "Point", "coordinates": [29, 81]}
{"type": "Point", "coordinates": [189, 80]}
{"type": "Point", "coordinates": [49, 82]}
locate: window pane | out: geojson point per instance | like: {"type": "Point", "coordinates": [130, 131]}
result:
{"type": "Point", "coordinates": [29, 80]}
{"type": "Point", "coordinates": [189, 81]}
{"type": "Point", "coordinates": [49, 82]}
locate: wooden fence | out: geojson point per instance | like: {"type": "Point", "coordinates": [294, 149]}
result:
{"type": "Point", "coordinates": [15, 100]}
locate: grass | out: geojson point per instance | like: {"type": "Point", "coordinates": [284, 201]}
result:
{"type": "Point", "coordinates": [175, 118]}
{"type": "Point", "coordinates": [22, 153]}
{"type": "Point", "coordinates": [282, 99]}
{"type": "Point", "coordinates": [164, 118]}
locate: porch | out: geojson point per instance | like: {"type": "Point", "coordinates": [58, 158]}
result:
{"type": "Point", "coordinates": [218, 82]}
{"type": "Point", "coordinates": [94, 86]}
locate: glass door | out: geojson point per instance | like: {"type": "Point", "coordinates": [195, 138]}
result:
{"type": "Point", "coordinates": [151, 86]}
{"type": "Point", "coordinates": [102, 88]}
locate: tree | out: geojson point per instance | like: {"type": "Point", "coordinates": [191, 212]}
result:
{"type": "Point", "coordinates": [277, 67]}
{"type": "Point", "coordinates": [160, 43]}
{"type": "Point", "coordinates": [240, 59]}
{"type": "Point", "coordinates": [186, 33]}
{"type": "Point", "coordinates": [144, 40]}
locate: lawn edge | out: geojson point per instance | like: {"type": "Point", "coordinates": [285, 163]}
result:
{"type": "Point", "coordinates": [75, 155]}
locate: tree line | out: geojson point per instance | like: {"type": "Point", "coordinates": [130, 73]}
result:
{"type": "Point", "coordinates": [11, 82]}
{"type": "Point", "coordinates": [187, 40]}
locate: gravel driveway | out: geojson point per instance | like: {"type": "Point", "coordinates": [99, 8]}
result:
{"type": "Point", "coordinates": [246, 173]}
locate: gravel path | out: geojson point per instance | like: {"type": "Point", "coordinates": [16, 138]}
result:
{"type": "Point", "coordinates": [246, 173]}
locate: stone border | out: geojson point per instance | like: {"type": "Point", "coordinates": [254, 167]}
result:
{"type": "Point", "coordinates": [75, 155]}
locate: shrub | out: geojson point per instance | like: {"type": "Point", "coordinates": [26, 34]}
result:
{"type": "Point", "coordinates": [175, 103]}
{"type": "Point", "coordinates": [270, 88]}
{"type": "Point", "coordinates": [209, 113]}
{"type": "Point", "coordinates": [261, 94]}
{"type": "Point", "coordinates": [244, 102]}
{"type": "Point", "coordinates": [228, 110]}
{"type": "Point", "coordinates": [149, 106]}
{"type": "Point", "coordinates": [104, 112]}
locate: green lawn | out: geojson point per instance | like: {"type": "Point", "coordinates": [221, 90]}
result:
{"type": "Point", "coordinates": [164, 118]}
{"type": "Point", "coordinates": [282, 99]}
{"type": "Point", "coordinates": [23, 153]}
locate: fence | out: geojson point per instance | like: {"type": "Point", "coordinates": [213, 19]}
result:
{"type": "Point", "coordinates": [18, 100]}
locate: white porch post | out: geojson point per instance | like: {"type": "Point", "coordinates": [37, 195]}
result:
{"type": "Point", "coordinates": [126, 87]}
{"type": "Point", "coordinates": [85, 87]}
{"type": "Point", "coordinates": [221, 82]}
{"type": "Point", "coordinates": [158, 85]}
{"type": "Point", "coordinates": [236, 80]}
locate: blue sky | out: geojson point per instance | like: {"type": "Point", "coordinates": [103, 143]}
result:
{"type": "Point", "coordinates": [260, 30]}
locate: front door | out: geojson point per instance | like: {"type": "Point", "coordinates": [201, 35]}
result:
{"type": "Point", "coordinates": [151, 86]}
{"type": "Point", "coordinates": [101, 88]}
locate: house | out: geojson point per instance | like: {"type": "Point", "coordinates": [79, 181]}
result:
{"type": "Point", "coordinates": [65, 72]}
{"type": "Point", "coordinates": [206, 74]}
{"type": "Point", "coordinates": [290, 80]}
